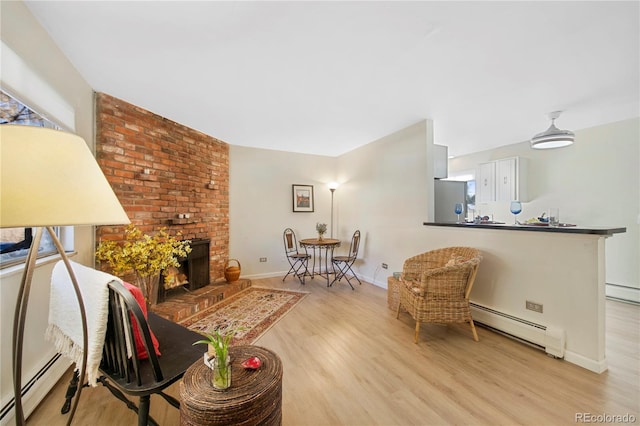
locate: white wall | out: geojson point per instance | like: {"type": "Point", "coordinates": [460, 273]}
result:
{"type": "Point", "coordinates": [386, 193]}
{"type": "Point", "coordinates": [383, 191]}
{"type": "Point", "coordinates": [261, 206]}
{"type": "Point", "coordinates": [46, 70]}
{"type": "Point", "coordinates": [594, 182]}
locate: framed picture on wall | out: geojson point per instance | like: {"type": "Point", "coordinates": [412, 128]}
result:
{"type": "Point", "coordinates": [302, 198]}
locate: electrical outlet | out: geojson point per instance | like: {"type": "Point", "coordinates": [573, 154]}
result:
{"type": "Point", "coordinates": [263, 259]}
{"type": "Point", "coordinates": [533, 306]}
{"type": "Point", "coordinates": [385, 266]}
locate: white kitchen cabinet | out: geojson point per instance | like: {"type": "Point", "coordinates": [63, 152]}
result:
{"type": "Point", "coordinates": [511, 179]}
{"type": "Point", "coordinates": [486, 182]}
{"type": "Point", "coordinates": [502, 180]}
{"type": "Point", "coordinates": [440, 161]}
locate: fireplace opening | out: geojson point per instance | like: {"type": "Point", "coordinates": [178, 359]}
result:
{"type": "Point", "coordinates": [192, 273]}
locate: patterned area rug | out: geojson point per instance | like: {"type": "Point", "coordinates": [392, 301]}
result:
{"type": "Point", "coordinates": [254, 310]}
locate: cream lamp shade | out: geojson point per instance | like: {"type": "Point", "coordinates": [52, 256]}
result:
{"type": "Point", "coordinates": [50, 178]}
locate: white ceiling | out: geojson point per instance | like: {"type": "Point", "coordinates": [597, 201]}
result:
{"type": "Point", "coordinates": [327, 77]}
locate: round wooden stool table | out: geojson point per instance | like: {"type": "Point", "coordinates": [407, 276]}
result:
{"type": "Point", "coordinates": [254, 397]}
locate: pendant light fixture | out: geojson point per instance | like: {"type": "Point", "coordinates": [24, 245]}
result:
{"type": "Point", "coordinates": [552, 137]}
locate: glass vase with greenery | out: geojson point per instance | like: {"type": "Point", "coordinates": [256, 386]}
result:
{"type": "Point", "coordinates": [218, 345]}
{"type": "Point", "coordinates": [322, 229]}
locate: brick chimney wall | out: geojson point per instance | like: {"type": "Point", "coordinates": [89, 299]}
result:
{"type": "Point", "coordinates": [159, 169]}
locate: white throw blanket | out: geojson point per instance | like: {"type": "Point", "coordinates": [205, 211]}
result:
{"type": "Point", "coordinates": [65, 323]}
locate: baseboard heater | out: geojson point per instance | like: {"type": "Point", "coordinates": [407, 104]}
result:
{"type": "Point", "coordinates": [8, 407]}
{"type": "Point", "coordinates": [548, 338]}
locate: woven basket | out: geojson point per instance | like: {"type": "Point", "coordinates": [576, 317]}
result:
{"type": "Point", "coordinates": [232, 273]}
{"type": "Point", "coordinates": [254, 398]}
{"type": "Point", "coordinates": [393, 293]}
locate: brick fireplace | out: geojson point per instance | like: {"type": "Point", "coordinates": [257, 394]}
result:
{"type": "Point", "coordinates": [165, 175]}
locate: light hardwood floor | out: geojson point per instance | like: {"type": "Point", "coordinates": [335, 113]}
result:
{"type": "Point", "coordinates": [348, 361]}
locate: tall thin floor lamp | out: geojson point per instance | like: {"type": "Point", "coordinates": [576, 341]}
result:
{"type": "Point", "coordinates": [332, 187]}
{"type": "Point", "coordinates": [49, 178]}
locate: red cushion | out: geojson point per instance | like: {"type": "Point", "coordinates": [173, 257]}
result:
{"type": "Point", "coordinates": [142, 352]}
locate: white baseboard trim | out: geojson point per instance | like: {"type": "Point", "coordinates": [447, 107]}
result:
{"type": "Point", "coordinates": [589, 364]}
{"type": "Point", "coordinates": [266, 275]}
{"type": "Point", "coordinates": [382, 284]}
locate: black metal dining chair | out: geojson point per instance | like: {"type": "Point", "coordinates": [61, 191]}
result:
{"type": "Point", "coordinates": [299, 261]}
{"type": "Point", "coordinates": [343, 264]}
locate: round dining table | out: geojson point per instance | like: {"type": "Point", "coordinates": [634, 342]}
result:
{"type": "Point", "coordinates": [317, 246]}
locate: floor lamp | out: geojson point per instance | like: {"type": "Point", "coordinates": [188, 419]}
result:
{"type": "Point", "coordinates": [49, 178]}
{"type": "Point", "coordinates": [332, 187]}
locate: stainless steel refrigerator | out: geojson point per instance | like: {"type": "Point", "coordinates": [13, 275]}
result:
{"type": "Point", "coordinates": [447, 194]}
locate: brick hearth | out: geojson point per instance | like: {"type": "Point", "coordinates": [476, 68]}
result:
{"type": "Point", "coordinates": [181, 304]}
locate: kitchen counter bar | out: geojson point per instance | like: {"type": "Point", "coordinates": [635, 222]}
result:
{"type": "Point", "coordinates": [596, 230]}
{"type": "Point", "coordinates": [543, 285]}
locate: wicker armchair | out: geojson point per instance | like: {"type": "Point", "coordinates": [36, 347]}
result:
{"type": "Point", "coordinates": [435, 286]}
